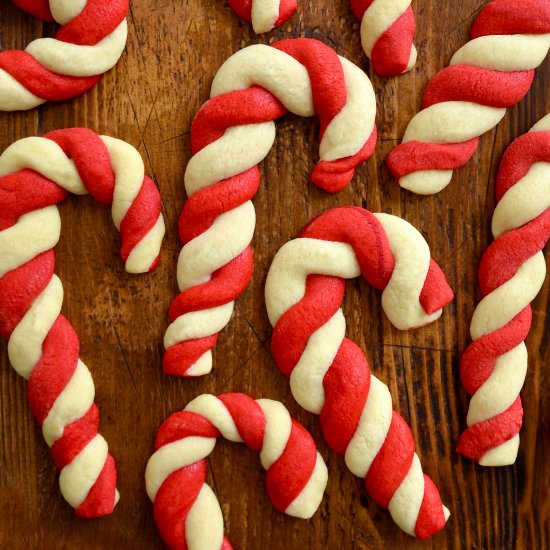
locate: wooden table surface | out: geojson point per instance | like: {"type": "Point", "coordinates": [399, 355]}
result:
{"type": "Point", "coordinates": [149, 99]}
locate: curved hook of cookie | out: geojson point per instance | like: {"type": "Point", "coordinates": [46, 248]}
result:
{"type": "Point", "coordinates": [36, 174]}
{"type": "Point", "coordinates": [230, 135]}
{"type": "Point", "coordinates": [187, 512]}
{"type": "Point", "coordinates": [89, 43]}
{"type": "Point", "coordinates": [491, 72]}
{"type": "Point", "coordinates": [329, 374]}
{"type": "Point", "coordinates": [511, 274]}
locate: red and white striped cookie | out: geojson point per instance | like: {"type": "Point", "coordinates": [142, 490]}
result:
{"type": "Point", "coordinates": [36, 174]}
{"type": "Point", "coordinates": [329, 374]}
{"type": "Point", "coordinates": [89, 43]}
{"type": "Point", "coordinates": [187, 512]}
{"type": "Point", "coordinates": [387, 32]}
{"type": "Point", "coordinates": [265, 15]}
{"type": "Point", "coordinates": [491, 72]}
{"type": "Point", "coordinates": [511, 273]}
{"type": "Point", "coordinates": [230, 135]}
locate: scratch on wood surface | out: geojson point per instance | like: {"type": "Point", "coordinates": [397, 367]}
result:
{"type": "Point", "coordinates": [255, 333]}
{"type": "Point", "coordinates": [469, 17]}
{"type": "Point", "coordinates": [143, 142]}
{"type": "Point", "coordinates": [134, 26]}
{"type": "Point", "coordinates": [124, 360]}
{"type": "Point", "coordinates": [414, 347]}
{"type": "Point", "coordinates": [226, 382]}
{"type": "Point", "coordinates": [182, 135]}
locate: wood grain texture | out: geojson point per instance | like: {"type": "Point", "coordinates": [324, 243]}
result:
{"type": "Point", "coordinates": [149, 99]}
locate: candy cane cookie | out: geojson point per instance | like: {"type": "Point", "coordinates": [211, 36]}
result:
{"type": "Point", "coordinates": [387, 32]}
{"type": "Point", "coordinates": [230, 135]}
{"type": "Point", "coordinates": [89, 43]}
{"type": "Point", "coordinates": [329, 374]}
{"type": "Point", "coordinates": [36, 174]}
{"type": "Point", "coordinates": [265, 15]}
{"type": "Point", "coordinates": [511, 273]}
{"type": "Point", "coordinates": [187, 512]}
{"type": "Point", "coordinates": [493, 71]}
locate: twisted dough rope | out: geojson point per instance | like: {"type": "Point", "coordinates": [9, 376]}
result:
{"type": "Point", "coordinates": [187, 512]}
{"type": "Point", "coordinates": [265, 15]}
{"type": "Point", "coordinates": [387, 28]}
{"type": "Point", "coordinates": [89, 43]}
{"type": "Point", "coordinates": [35, 174]}
{"type": "Point", "coordinates": [329, 374]}
{"type": "Point", "coordinates": [493, 71]}
{"type": "Point", "coordinates": [230, 135]}
{"type": "Point", "coordinates": [511, 273]}
{"type": "Point", "coordinates": [387, 32]}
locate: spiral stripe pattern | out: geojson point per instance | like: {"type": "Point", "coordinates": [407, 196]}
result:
{"type": "Point", "coordinates": [35, 175]}
{"type": "Point", "coordinates": [511, 273]}
{"type": "Point", "coordinates": [329, 374]}
{"type": "Point", "coordinates": [491, 72]}
{"type": "Point", "coordinates": [89, 43]}
{"type": "Point", "coordinates": [230, 135]}
{"type": "Point", "coordinates": [387, 32]}
{"type": "Point", "coordinates": [187, 512]}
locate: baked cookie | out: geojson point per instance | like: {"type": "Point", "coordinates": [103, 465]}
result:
{"type": "Point", "coordinates": [387, 32]}
{"type": "Point", "coordinates": [511, 273]}
{"type": "Point", "coordinates": [491, 72]}
{"type": "Point", "coordinates": [187, 512]}
{"type": "Point", "coordinates": [230, 135]}
{"type": "Point", "coordinates": [329, 374]}
{"type": "Point", "coordinates": [36, 174]}
{"type": "Point", "coordinates": [265, 15]}
{"type": "Point", "coordinates": [89, 43]}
